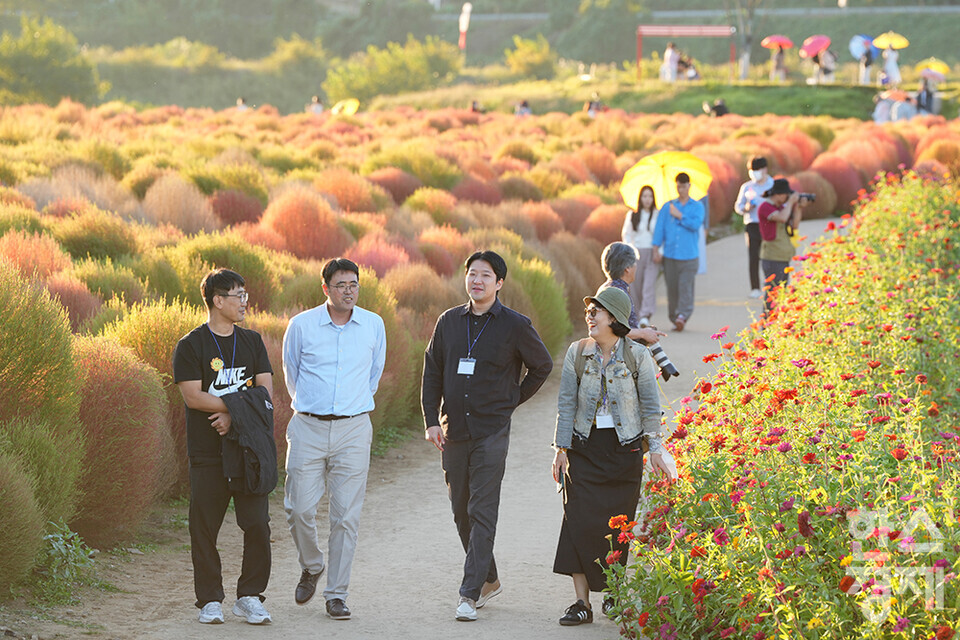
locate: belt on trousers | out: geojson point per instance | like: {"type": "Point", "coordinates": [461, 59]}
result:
{"type": "Point", "coordinates": [327, 416]}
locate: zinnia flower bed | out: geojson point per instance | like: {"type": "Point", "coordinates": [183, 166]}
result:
{"type": "Point", "coordinates": [818, 468]}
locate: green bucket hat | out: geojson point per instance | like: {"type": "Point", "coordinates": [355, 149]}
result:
{"type": "Point", "coordinates": [613, 300]}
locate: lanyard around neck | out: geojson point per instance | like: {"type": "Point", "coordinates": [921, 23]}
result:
{"type": "Point", "coordinates": [233, 358]}
{"type": "Point", "coordinates": [470, 344]}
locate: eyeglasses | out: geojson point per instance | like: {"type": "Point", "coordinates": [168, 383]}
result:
{"type": "Point", "coordinates": [591, 312]}
{"type": "Point", "coordinates": [243, 296]}
{"type": "Point", "coordinates": [347, 287]}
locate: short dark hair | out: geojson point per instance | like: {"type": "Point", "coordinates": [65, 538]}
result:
{"type": "Point", "coordinates": [491, 258]}
{"type": "Point", "coordinates": [619, 329]}
{"type": "Point", "coordinates": [339, 264]}
{"type": "Point", "coordinates": [758, 162]}
{"type": "Point", "coordinates": [683, 178]}
{"type": "Point", "coordinates": [219, 282]}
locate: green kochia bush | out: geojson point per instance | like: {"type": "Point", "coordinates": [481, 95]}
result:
{"type": "Point", "coordinates": [96, 234]}
{"type": "Point", "coordinates": [819, 468]}
{"type": "Point", "coordinates": [128, 445]}
{"type": "Point", "coordinates": [21, 523]}
{"type": "Point", "coordinates": [37, 375]}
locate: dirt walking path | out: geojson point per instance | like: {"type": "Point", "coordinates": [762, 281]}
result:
{"type": "Point", "coordinates": [408, 564]}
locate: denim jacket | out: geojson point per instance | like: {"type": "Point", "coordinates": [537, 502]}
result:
{"type": "Point", "coordinates": [635, 407]}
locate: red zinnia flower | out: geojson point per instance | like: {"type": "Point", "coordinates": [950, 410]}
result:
{"type": "Point", "coordinates": [859, 434]}
{"type": "Point", "coordinates": [921, 379]}
{"type": "Point", "coordinates": [874, 364]}
{"type": "Point", "coordinates": [944, 632]}
{"type": "Point", "coordinates": [747, 397]}
{"type": "Point", "coordinates": [613, 557]}
{"type": "Point", "coordinates": [899, 453]}
{"type": "Point", "coordinates": [698, 552]}
{"type": "Point", "coordinates": [642, 619]}
{"type": "Point", "coordinates": [846, 582]}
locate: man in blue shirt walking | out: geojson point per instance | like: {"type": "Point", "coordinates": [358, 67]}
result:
{"type": "Point", "coordinates": [333, 356]}
{"type": "Point", "coordinates": [676, 238]}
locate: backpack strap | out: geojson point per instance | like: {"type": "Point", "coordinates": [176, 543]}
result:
{"type": "Point", "coordinates": [629, 358]}
{"type": "Point", "coordinates": [580, 362]}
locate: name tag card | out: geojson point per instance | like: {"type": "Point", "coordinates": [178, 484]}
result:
{"type": "Point", "coordinates": [605, 422]}
{"type": "Point", "coordinates": [466, 366]}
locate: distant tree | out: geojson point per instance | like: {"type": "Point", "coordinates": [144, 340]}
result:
{"type": "Point", "coordinates": [744, 12]}
{"type": "Point", "coordinates": [532, 58]}
{"type": "Point", "coordinates": [44, 64]}
{"type": "Point", "coordinates": [379, 22]}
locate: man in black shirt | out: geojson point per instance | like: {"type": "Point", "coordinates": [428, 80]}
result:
{"type": "Point", "coordinates": [471, 385]}
{"type": "Point", "coordinates": [213, 360]}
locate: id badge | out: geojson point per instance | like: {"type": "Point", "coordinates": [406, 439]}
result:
{"type": "Point", "coordinates": [466, 366]}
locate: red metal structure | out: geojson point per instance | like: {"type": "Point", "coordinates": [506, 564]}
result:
{"type": "Point", "coordinates": [685, 31]}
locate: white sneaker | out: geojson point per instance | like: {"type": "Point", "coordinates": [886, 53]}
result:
{"type": "Point", "coordinates": [644, 322]}
{"type": "Point", "coordinates": [466, 610]}
{"type": "Point", "coordinates": [212, 613]}
{"type": "Point", "coordinates": [756, 293]}
{"type": "Point", "coordinates": [251, 608]}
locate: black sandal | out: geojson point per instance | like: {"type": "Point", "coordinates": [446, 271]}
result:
{"type": "Point", "coordinates": [577, 613]}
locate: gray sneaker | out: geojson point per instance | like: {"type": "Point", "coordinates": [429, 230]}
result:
{"type": "Point", "coordinates": [251, 608]}
{"type": "Point", "coordinates": [211, 613]}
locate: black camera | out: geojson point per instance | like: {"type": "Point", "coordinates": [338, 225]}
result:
{"type": "Point", "coordinates": [809, 197]}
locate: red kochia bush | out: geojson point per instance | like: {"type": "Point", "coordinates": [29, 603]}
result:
{"type": "Point", "coordinates": [471, 189]}
{"type": "Point", "coordinates": [152, 330]}
{"type": "Point", "coordinates": [439, 259]}
{"type": "Point", "coordinates": [33, 253]}
{"type": "Point", "coordinates": [397, 182]}
{"type": "Point", "coordinates": [127, 444]}
{"type": "Point", "coordinates": [259, 235]}
{"type": "Point", "coordinates": [448, 238]}
{"type": "Point", "coordinates": [604, 224]}
{"type": "Point", "coordinates": [307, 224]}
{"type": "Point", "coordinates": [351, 191]}
{"type": "Point", "coordinates": [374, 251]}
{"type": "Point", "coordinates": [233, 207]}
{"type": "Point", "coordinates": [76, 298]}
{"type": "Point", "coordinates": [545, 220]}
{"type": "Point", "coordinates": [842, 175]}
{"type": "Point", "coordinates": [573, 212]}
{"type": "Point", "coordinates": [601, 162]}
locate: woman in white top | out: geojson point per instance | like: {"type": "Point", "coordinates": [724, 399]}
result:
{"type": "Point", "coordinates": [638, 232]}
{"type": "Point", "coordinates": [890, 66]}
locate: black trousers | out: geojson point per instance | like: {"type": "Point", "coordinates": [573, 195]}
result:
{"type": "Point", "coordinates": [473, 470]}
{"type": "Point", "coordinates": [754, 240]}
{"type": "Point", "coordinates": [209, 497]}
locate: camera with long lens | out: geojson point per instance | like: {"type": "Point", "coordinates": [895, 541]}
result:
{"type": "Point", "coordinates": [809, 197]}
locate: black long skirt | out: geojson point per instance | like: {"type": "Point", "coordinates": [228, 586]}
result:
{"type": "Point", "coordinates": [604, 481]}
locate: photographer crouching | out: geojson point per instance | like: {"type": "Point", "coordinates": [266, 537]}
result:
{"type": "Point", "coordinates": [779, 214]}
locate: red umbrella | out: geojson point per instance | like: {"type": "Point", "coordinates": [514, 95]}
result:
{"type": "Point", "coordinates": [776, 40]}
{"type": "Point", "coordinates": [814, 45]}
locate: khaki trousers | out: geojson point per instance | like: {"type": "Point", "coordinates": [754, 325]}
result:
{"type": "Point", "coordinates": [331, 456]}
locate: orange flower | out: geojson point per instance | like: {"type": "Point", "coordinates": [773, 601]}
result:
{"type": "Point", "coordinates": [698, 552]}
{"type": "Point", "coordinates": [846, 582]}
{"type": "Point", "coordinates": [899, 453]}
{"type": "Point", "coordinates": [617, 521]}
{"type": "Point", "coordinates": [859, 434]}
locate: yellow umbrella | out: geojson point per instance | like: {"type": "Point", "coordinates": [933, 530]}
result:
{"type": "Point", "coordinates": [347, 107]}
{"type": "Point", "coordinates": [890, 39]}
{"type": "Point", "coordinates": [934, 64]}
{"type": "Point", "coordinates": [660, 172]}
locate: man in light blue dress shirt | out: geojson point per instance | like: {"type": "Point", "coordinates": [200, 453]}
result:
{"type": "Point", "coordinates": [333, 356]}
{"type": "Point", "coordinates": [677, 239]}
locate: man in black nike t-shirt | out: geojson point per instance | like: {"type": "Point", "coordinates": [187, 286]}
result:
{"type": "Point", "coordinates": [215, 359]}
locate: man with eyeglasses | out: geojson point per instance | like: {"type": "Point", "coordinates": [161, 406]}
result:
{"type": "Point", "coordinates": [471, 385]}
{"type": "Point", "coordinates": [211, 362]}
{"type": "Point", "coordinates": [333, 356]}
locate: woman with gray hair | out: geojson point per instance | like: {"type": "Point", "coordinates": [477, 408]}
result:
{"type": "Point", "coordinates": [619, 264]}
